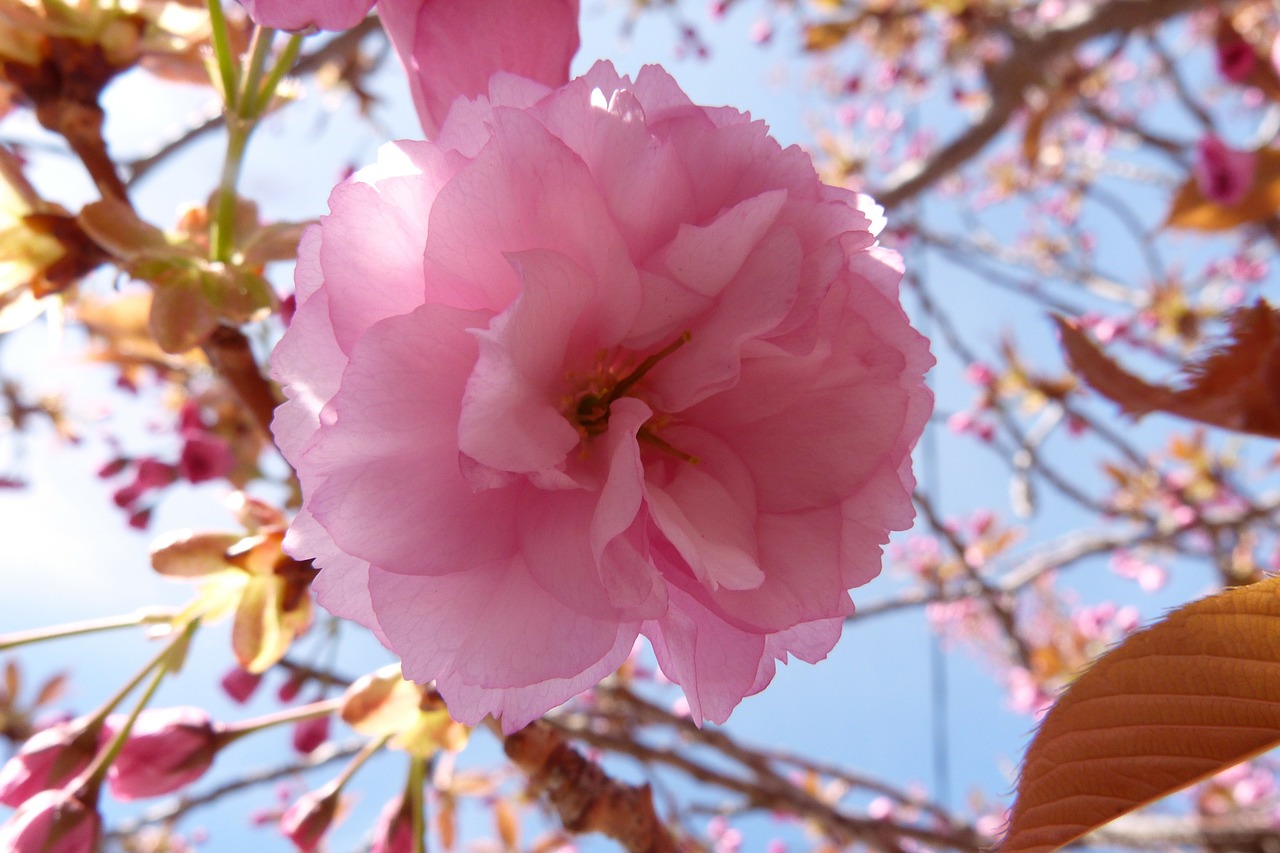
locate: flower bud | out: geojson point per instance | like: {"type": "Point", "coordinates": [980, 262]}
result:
{"type": "Point", "coordinates": [308, 735]}
{"type": "Point", "coordinates": [47, 760]}
{"type": "Point", "coordinates": [167, 749]}
{"type": "Point", "coordinates": [52, 822]}
{"type": "Point", "coordinates": [240, 684]}
{"type": "Point", "coordinates": [394, 832]}
{"type": "Point", "coordinates": [308, 819]}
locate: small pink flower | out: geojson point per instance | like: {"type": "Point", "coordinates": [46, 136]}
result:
{"type": "Point", "coordinates": [53, 821]}
{"type": "Point", "coordinates": [48, 759]}
{"type": "Point", "coordinates": [643, 374]}
{"type": "Point", "coordinates": [1224, 175]}
{"type": "Point", "coordinates": [167, 748]}
{"type": "Point", "coordinates": [1236, 59]}
{"type": "Point", "coordinates": [309, 818]}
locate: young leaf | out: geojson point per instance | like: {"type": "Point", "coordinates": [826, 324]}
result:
{"type": "Point", "coordinates": [1236, 387]}
{"type": "Point", "coordinates": [1171, 705]}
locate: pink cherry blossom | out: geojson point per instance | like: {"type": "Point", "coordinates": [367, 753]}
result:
{"type": "Point", "coordinates": [305, 14]}
{"type": "Point", "coordinates": [450, 48]}
{"type": "Point", "coordinates": [48, 759]}
{"type": "Point", "coordinates": [52, 822]}
{"type": "Point", "coordinates": [1223, 174]}
{"type": "Point", "coordinates": [167, 748]}
{"type": "Point", "coordinates": [643, 373]}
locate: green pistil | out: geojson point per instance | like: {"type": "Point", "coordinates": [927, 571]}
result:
{"type": "Point", "coordinates": [591, 414]}
{"type": "Point", "coordinates": [593, 409]}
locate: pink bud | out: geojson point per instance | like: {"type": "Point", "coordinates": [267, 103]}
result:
{"type": "Point", "coordinates": [1236, 59]}
{"type": "Point", "coordinates": [1223, 174]}
{"type": "Point", "coordinates": [204, 458]}
{"type": "Point", "coordinates": [394, 832]}
{"type": "Point", "coordinates": [167, 748]}
{"type": "Point", "coordinates": [291, 688]}
{"type": "Point", "coordinates": [308, 819]}
{"type": "Point", "coordinates": [309, 734]}
{"type": "Point", "coordinates": [47, 760]}
{"type": "Point", "coordinates": [52, 822]}
{"type": "Point", "coordinates": [154, 474]}
{"type": "Point", "coordinates": [240, 684]}
{"type": "Point", "coordinates": [189, 420]}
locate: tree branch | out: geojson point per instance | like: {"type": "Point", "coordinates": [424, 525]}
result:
{"type": "Point", "coordinates": [1024, 67]}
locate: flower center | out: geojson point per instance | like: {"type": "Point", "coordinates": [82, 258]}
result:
{"type": "Point", "coordinates": [608, 381]}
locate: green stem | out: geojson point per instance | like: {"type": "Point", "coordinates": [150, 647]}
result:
{"type": "Point", "coordinates": [147, 616]}
{"type": "Point", "coordinates": [322, 708]}
{"type": "Point", "coordinates": [222, 53]}
{"type": "Point", "coordinates": [222, 229]}
{"type": "Point", "coordinates": [158, 661]}
{"type": "Point", "coordinates": [284, 64]}
{"type": "Point", "coordinates": [97, 771]}
{"type": "Point", "coordinates": [259, 50]}
{"type": "Point", "coordinates": [417, 774]}
{"type": "Point", "coordinates": [366, 752]}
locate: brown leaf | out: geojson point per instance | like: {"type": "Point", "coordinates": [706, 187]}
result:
{"type": "Point", "coordinates": [12, 679]}
{"type": "Point", "coordinates": [53, 689]}
{"type": "Point", "coordinates": [507, 823]}
{"type": "Point", "coordinates": [181, 316]}
{"type": "Point", "coordinates": [381, 703]}
{"type": "Point", "coordinates": [825, 36]}
{"type": "Point", "coordinates": [192, 554]}
{"type": "Point", "coordinates": [277, 242]}
{"type": "Point", "coordinates": [1173, 704]}
{"type": "Point", "coordinates": [263, 629]}
{"type": "Point", "coordinates": [384, 703]}
{"type": "Point", "coordinates": [251, 632]}
{"type": "Point", "coordinates": [1190, 209]}
{"type": "Point", "coordinates": [1236, 387]}
{"type": "Point", "coordinates": [119, 231]}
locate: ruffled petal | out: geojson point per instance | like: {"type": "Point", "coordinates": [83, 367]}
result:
{"type": "Point", "coordinates": [389, 461]}
{"type": "Point", "coordinates": [450, 48]}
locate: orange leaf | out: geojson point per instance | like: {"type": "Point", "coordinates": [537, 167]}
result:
{"type": "Point", "coordinates": [1135, 396]}
{"type": "Point", "coordinates": [1236, 387]}
{"type": "Point", "coordinates": [1173, 704]}
{"type": "Point", "coordinates": [1190, 208]}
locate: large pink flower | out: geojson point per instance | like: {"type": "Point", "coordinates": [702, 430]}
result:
{"type": "Point", "coordinates": [598, 362]}
{"type": "Point", "coordinates": [450, 48]}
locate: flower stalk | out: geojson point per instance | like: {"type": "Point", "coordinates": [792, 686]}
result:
{"type": "Point", "coordinates": [168, 660]}
{"type": "Point", "coordinates": [144, 616]}
{"type": "Point", "coordinates": [235, 731]}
